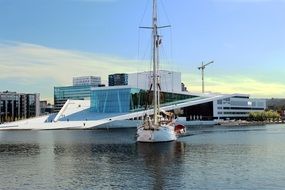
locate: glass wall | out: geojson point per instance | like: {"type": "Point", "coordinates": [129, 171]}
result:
{"type": "Point", "coordinates": [31, 105]}
{"type": "Point", "coordinates": [110, 100]}
{"type": "Point", "coordinates": [122, 100]}
{"type": "Point", "coordinates": [61, 94]}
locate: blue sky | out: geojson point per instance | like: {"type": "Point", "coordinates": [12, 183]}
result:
{"type": "Point", "coordinates": [43, 43]}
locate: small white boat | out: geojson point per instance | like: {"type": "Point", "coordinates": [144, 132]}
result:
{"type": "Point", "coordinates": [164, 131]}
{"type": "Point", "coordinates": [157, 128]}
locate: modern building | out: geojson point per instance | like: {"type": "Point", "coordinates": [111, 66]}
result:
{"type": "Point", "coordinates": [63, 93]}
{"type": "Point", "coordinates": [87, 80]}
{"type": "Point", "coordinates": [118, 79]}
{"type": "Point", "coordinates": [121, 106]}
{"type": "Point", "coordinates": [125, 99]}
{"type": "Point", "coordinates": [237, 106]}
{"type": "Point", "coordinates": [15, 106]}
{"type": "Point", "coordinates": [86, 106]}
{"type": "Point", "coordinates": [79, 91]}
{"type": "Point", "coordinates": [136, 95]}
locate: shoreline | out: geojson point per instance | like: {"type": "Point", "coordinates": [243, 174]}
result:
{"type": "Point", "coordinates": [247, 123]}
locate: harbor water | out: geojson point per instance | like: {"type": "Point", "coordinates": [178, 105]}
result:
{"type": "Point", "coordinates": [208, 158]}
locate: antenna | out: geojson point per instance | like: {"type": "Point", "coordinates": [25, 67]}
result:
{"type": "Point", "coordinates": [202, 68]}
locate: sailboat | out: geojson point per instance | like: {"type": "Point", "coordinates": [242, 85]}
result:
{"type": "Point", "coordinates": [161, 126]}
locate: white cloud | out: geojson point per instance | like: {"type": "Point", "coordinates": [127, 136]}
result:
{"type": "Point", "coordinates": [31, 63]}
{"type": "Point", "coordinates": [39, 68]}
{"type": "Point", "coordinates": [35, 61]}
{"type": "Point", "coordinates": [236, 84]}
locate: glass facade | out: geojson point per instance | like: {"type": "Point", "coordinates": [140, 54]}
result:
{"type": "Point", "coordinates": [111, 100]}
{"type": "Point", "coordinates": [31, 100]}
{"type": "Point", "coordinates": [123, 100]}
{"type": "Point", "coordinates": [15, 106]}
{"type": "Point", "coordinates": [61, 94]}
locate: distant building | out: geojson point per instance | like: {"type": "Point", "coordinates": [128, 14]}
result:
{"type": "Point", "coordinates": [33, 105]}
{"type": "Point", "coordinates": [79, 91]}
{"type": "Point", "coordinates": [46, 108]}
{"type": "Point", "coordinates": [275, 104]}
{"type": "Point", "coordinates": [238, 106]}
{"type": "Point", "coordinates": [118, 79]}
{"type": "Point", "coordinates": [87, 80]}
{"type": "Point", "coordinates": [15, 106]}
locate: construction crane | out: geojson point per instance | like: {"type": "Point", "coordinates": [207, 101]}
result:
{"type": "Point", "coordinates": [202, 68]}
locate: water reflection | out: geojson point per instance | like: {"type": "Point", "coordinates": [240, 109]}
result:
{"type": "Point", "coordinates": [20, 149]}
{"type": "Point", "coordinates": [110, 165]}
{"type": "Point", "coordinates": [164, 161]}
{"type": "Point", "coordinates": [111, 159]}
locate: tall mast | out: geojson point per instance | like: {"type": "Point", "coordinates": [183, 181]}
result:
{"type": "Point", "coordinates": [155, 61]}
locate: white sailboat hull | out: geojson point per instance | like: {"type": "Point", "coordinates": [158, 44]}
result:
{"type": "Point", "coordinates": [164, 133]}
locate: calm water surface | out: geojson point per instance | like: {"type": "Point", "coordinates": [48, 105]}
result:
{"type": "Point", "coordinates": [209, 158]}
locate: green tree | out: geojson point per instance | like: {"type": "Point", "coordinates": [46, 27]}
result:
{"type": "Point", "coordinates": [269, 115]}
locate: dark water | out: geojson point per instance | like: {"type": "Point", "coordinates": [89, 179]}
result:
{"type": "Point", "coordinates": [210, 158]}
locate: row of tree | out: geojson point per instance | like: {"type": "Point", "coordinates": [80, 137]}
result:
{"type": "Point", "coordinates": [269, 115]}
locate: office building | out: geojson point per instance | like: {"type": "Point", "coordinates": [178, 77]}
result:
{"type": "Point", "coordinates": [236, 106]}
{"type": "Point", "coordinates": [118, 79]}
{"type": "Point", "coordinates": [87, 80]}
{"type": "Point", "coordinates": [45, 107]}
{"type": "Point", "coordinates": [15, 106]}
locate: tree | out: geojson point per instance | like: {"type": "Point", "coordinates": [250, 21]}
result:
{"type": "Point", "coordinates": [269, 115]}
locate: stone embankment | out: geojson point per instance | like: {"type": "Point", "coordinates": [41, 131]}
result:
{"type": "Point", "coordinates": [247, 123]}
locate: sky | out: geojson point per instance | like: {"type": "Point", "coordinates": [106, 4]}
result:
{"type": "Point", "coordinates": [44, 43]}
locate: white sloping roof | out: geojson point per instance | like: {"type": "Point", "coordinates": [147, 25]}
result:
{"type": "Point", "coordinates": [76, 114]}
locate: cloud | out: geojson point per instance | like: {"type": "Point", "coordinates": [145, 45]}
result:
{"type": "Point", "coordinates": [29, 63]}
{"type": "Point", "coordinates": [237, 84]}
{"type": "Point", "coordinates": [29, 60]}
{"type": "Point", "coordinates": [28, 67]}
